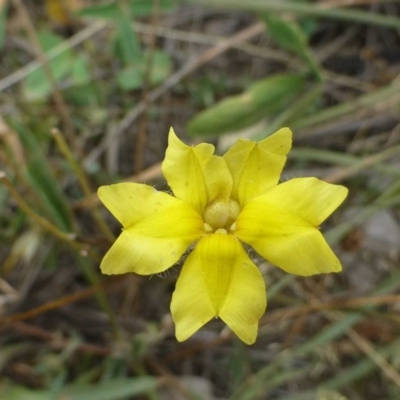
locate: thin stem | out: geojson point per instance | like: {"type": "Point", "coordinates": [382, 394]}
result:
{"type": "Point", "coordinates": [366, 347]}
{"type": "Point", "coordinates": [347, 160]}
{"type": "Point", "coordinates": [83, 181]}
{"type": "Point", "coordinates": [41, 55]}
{"type": "Point", "coordinates": [26, 70]}
{"type": "Point", "coordinates": [60, 302]}
{"type": "Point", "coordinates": [101, 297]}
{"type": "Point", "coordinates": [389, 198]}
{"type": "Point", "coordinates": [69, 237]}
{"type": "Point", "coordinates": [377, 99]}
{"type": "Point", "coordinates": [366, 162]}
{"type": "Point", "coordinates": [190, 66]}
{"type": "Point", "coordinates": [44, 223]}
{"type": "Point", "coordinates": [141, 138]}
{"type": "Point", "coordinates": [304, 9]}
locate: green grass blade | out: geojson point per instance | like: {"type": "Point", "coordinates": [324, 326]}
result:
{"type": "Point", "coordinates": [39, 175]}
{"type": "Point", "coordinates": [304, 9]}
{"type": "Point", "coordinates": [112, 390]}
{"type": "Point", "coordinates": [3, 21]}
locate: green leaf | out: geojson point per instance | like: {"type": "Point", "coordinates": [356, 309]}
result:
{"type": "Point", "coordinates": [138, 8]}
{"type": "Point", "coordinates": [265, 97]}
{"type": "Point", "coordinates": [112, 390]}
{"type": "Point", "coordinates": [324, 394]}
{"type": "Point", "coordinates": [309, 9]}
{"type": "Point", "coordinates": [287, 34]}
{"type": "Point", "coordinates": [3, 20]}
{"type": "Point", "coordinates": [80, 71]}
{"type": "Point", "coordinates": [161, 67]}
{"type": "Point", "coordinates": [291, 36]}
{"type": "Point", "coordinates": [37, 85]}
{"type": "Point", "coordinates": [132, 77]}
{"type": "Point", "coordinates": [19, 392]}
{"type": "Point", "coordinates": [126, 40]}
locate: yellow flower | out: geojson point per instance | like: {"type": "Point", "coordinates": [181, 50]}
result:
{"type": "Point", "coordinates": [220, 201]}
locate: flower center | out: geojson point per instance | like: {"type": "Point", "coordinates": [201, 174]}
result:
{"type": "Point", "coordinates": [221, 213]}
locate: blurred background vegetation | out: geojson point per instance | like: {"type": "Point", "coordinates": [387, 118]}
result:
{"type": "Point", "coordinates": [88, 91]}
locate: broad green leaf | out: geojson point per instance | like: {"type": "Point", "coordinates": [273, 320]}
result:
{"type": "Point", "coordinates": [138, 8]}
{"type": "Point", "coordinates": [288, 34]}
{"type": "Point", "coordinates": [291, 36]}
{"type": "Point", "coordinates": [126, 41]}
{"type": "Point", "coordinates": [161, 67]}
{"type": "Point", "coordinates": [263, 98]}
{"type": "Point", "coordinates": [130, 78]}
{"type": "Point", "coordinates": [37, 85]}
{"type": "Point", "coordinates": [80, 73]}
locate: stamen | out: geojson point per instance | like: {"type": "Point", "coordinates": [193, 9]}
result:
{"type": "Point", "coordinates": [221, 213]}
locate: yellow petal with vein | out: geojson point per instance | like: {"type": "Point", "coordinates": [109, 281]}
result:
{"type": "Point", "coordinates": [256, 167]}
{"type": "Point", "coordinates": [194, 174]}
{"type": "Point", "coordinates": [130, 202]}
{"type": "Point", "coordinates": [310, 198]}
{"type": "Point", "coordinates": [151, 242]}
{"type": "Point", "coordinates": [219, 280]}
{"type": "Point", "coordinates": [286, 238]}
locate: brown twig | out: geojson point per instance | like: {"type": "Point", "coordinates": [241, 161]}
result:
{"type": "Point", "coordinates": [148, 174]}
{"type": "Point", "coordinates": [293, 312]}
{"type": "Point", "coordinates": [175, 78]}
{"type": "Point", "coordinates": [359, 341]}
{"type": "Point", "coordinates": [60, 302]}
{"type": "Point", "coordinates": [70, 238]}
{"type": "Point", "coordinates": [67, 44]}
{"type": "Point", "coordinates": [42, 58]}
{"type": "Point", "coordinates": [365, 346]}
{"type": "Point", "coordinates": [44, 223]}
{"type": "Point", "coordinates": [58, 342]}
{"type": "Point", "coordinates": [364, 163]}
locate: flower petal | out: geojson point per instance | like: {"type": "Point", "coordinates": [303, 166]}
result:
{"type": "Point", "coordinates": [154, 242]}
{"type": "Point", "coordinates": [256, 167]}
{"type": "Point", "coordinates": [312, 199]}
{"type": "Point", "coordinates": [287, 238]}
{"type": "Point", "coordinates": [130, 202]}
{"type": "Point", "coordinates": [194, 174]}
{"type": "Point", "coordinates": [218, 279]}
